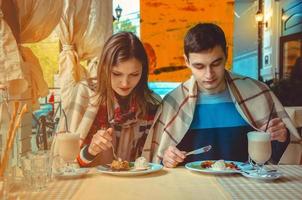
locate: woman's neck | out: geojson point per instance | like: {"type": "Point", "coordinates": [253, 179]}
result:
{"type": "Point", "coordinates": [123, 102]}
{"type": "Point", "coordinates": [122, 98]}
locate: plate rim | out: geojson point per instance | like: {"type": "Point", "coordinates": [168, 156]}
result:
{"type": "Point", "coordinates": [131, 173]}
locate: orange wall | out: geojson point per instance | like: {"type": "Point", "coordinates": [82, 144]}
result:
{"type": "Point", "coordinates": [163, 27]}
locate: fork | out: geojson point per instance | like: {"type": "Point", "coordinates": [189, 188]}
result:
{"type": "Point", "coordinates": [113, 151]}
{"type": "Point", "coordinates": [200, 150]}
{"type": "Point", "coordinates": [114, 155]}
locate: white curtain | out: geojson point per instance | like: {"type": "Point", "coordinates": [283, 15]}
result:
{"type": "Point", "coordinates": [37, 19]}
{"type": "Point", "coordinates": [11, 74]}
{"type": "Point", "coordinates": [12, 81]}
{"type": "Point", "coordinates": [19, 67]}
{"type": "Point", "coordinates": [83, 29]}
{"type": "Point", "coordinates": [21, 76]}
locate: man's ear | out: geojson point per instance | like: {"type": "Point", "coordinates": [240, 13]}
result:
{"type": "Point", "coordinates": [186, 60]}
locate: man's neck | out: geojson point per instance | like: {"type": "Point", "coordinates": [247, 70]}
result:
{"type": "Point", "coordinates": [221, 88]}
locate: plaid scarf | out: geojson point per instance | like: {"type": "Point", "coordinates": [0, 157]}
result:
{"type": "Point", "coordinates": [129, 131]}
{"type": "Point", "coordinates": [106, 119]}
{"type": "Point", "coordinates": [124, 118]}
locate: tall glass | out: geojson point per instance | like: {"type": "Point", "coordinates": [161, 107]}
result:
{"type": "Point", "coordinates": [68, 148]}
{"type": "Point", "coordinates": [259, 148]}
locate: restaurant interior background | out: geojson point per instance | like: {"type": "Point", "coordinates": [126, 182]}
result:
{"type": "Point", "coordinates": [264, 40]}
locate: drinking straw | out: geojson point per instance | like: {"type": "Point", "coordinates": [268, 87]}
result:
{"type": "Point", "coordinates": [11, 136]}
{"type": "Point", "coordinates": [66, 121]}
{"type": "Point", "coordinates": [270, 116]}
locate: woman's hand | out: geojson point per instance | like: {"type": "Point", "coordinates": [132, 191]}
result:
{"type": "Point", "coordinates": [101, 141]}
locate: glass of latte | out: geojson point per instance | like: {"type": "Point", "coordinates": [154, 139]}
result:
{"type": "Point", "coordinates": [68, 148]}
{"type": "Point", "coordinates": [259, 148]}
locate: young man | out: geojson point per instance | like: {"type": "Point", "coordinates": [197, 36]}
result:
{"type": "Point", "coordinates": [214, 107]}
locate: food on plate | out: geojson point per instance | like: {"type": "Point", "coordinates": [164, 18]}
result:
{"type": "Point", "coordinates": [123, 165]}
{"type": "Point", "coordinates": [231, 165]}
{"type": "Point", "coordinates": [120, 165]}
{"type": "Point", "coordinates": [141, 163]}
{"type": "Point", "coordinates": [219, 165]}
{"type": "Point", "coordinates": [207, 164]}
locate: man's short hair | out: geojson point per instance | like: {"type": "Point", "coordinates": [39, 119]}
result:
{"type": "Point", "coordinates": [203, 37]}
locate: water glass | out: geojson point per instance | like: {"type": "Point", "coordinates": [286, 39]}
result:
{"type": "Point", "coordinates": [36, 169]}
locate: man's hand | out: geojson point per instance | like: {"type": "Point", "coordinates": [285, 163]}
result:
{"type": "Point", "coordinates": [101, 141]}
{"type": "Point", "coordinates": [277, 129]}
{"type": "Point", "coordinates": [173, 156]}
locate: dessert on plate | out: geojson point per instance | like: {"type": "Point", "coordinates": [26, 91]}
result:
{"type": "Point", "coordinates": [219, 165]}
{"type": "Point", "coordinates": [120, 165]}
{"type": "Point", "coordinates": [141, 164]}
{"type": "Point", "coordinates": [123, 165]}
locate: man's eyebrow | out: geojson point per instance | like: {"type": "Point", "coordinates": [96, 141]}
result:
{"type": "Point", "coordinates": [218, 59]}
{"type": "Point", "coordinates": [197, 63]}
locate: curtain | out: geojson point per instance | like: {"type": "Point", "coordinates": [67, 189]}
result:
{"type": "Point", "coordinates": [83, 29]}
{"type": "Point", "coordinates": [21, 76]}
{"type": "Point", "coordinates": [11, 74]}
{"type": "Point", "coordinates": [37, 19]}
{"type": "Point", "coordinates": [12, 81]}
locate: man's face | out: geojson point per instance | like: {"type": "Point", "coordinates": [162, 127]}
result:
{"type": "Point", "coordinates": [208, 68]}
{"type": "Point", "coordinates": [125, 76]}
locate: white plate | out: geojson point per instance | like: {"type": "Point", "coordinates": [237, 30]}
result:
{"type": "Point", "coordinates": [77, 173]}
{"type": "Point", "coordinates": [264, 177]}
{"type": "Point", "coordinates": [132, 172]}
{"type": "Point", "coordinates": [196, 166]}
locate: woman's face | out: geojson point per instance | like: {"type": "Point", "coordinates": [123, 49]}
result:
{"type": "Point", "coordinates": [125, 76]}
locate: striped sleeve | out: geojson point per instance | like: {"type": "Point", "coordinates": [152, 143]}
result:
{"type": "Point", "coordinates": [85, 158]}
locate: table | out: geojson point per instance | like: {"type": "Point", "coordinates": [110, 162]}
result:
{"type": "Point", "coordinates": [287, 187]}
{"type": "Point", "coordinates": [174, 184]}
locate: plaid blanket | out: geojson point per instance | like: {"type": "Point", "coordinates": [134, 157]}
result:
{"type": "Point", "coordinates": [79, 110]}
{"type": "Point", "coordinates": [252, 99]}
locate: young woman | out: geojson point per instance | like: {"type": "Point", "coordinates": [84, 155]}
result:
{"type": "Point", "coordinates": [116, 109]}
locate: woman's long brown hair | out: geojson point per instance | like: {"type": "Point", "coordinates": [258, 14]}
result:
{"type": "Point", "coordinates": [120, 48]}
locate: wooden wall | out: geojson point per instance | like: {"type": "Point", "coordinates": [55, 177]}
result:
{"type": "Point", "coordinates": [163, 27]}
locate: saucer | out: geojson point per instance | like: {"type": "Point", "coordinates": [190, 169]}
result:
{"type": "Point", "coordinates": [77, 172]}
{"type": "Point", "coordinates": [264, 177]}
